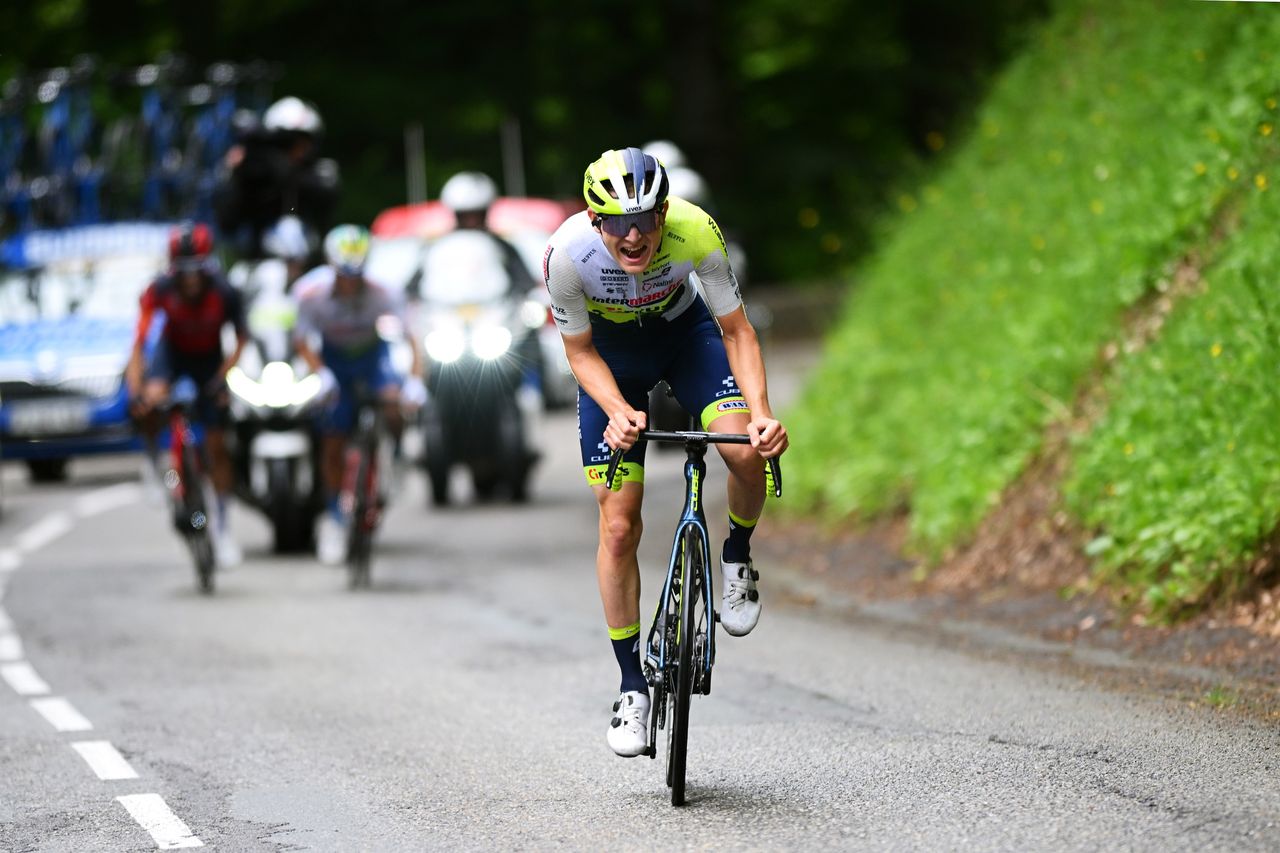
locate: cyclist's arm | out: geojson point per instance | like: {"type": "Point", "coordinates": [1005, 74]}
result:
{"type": "Point", "coordinates": [595, 377]}
{"type": "Point", "coordinates": [724, 298]}
{"type": "Point", "coordinates": [305, 328]}
{"type": "Point", "coordinates": [133, 370]}
{"type": "Point", "coordinates": [743, 349]}
{"type": "Point", "coordinates": [236, 317]}
{"type": "Point", "coordinates": [569, 308]}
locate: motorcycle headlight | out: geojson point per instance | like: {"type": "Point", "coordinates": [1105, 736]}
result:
{"type": "Point", "coordinates": [490, 342]}
{"type": "Point", "coordinates": [278, 387]}
{"type": "Point", "coordinates": [445, 345]}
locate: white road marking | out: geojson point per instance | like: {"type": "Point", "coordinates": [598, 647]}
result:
{"type": "Point", "coordinates": [9, 559]}
{"type": "Point", "coordinates": [61, 714]}
{"type": "Point", "coordinates": [24, 679]}
{"type": "Point", "coordinates": [104, 500]}
{"type": "Point", "coordinates": [104, 760]}
{"type": "Point", "coordinates": [10, 647]}
{"type": "Point", "coordinates": [154, 815]}
{"type": "Point", "coordinates": [43, 532]}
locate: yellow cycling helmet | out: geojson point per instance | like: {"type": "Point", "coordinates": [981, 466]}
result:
{"type": "Point", "coordinates": [625, 181]}
{"type": "Point", "coordinates": [346, 248]}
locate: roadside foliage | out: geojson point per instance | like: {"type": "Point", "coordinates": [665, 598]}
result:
{"type": "Point", "coordinates": [1104, 155]}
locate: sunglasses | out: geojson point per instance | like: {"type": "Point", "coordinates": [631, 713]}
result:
{"type": "Point", "coordinates": [620, 224]}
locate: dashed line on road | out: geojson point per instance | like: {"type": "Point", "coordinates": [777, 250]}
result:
{"type": "Point", "coordinates": [154, 815]}
{"type": "Point", "coordinates": [149, 810]}
{"type": "Point", "coordinates": [104, 500]}
{"type": "Point", "coordinates": [24, 679]}
{"type": "Point", "coordinates": [44, 531]}
{"type": "Point", "coordinates": [10, 648]}
{"type": "Point", "coordinates": [61, 714]}
{"type": "Point", "coordinates": [104, 760]}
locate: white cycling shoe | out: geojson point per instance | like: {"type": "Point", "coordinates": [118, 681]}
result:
{"type": "Point", "coordinates": [226, 550]}
{"type": "Point", "coordinates": [331, 540]}
{"type": "Point", "coordinates": [740, 606]}
{"type": "Point", "coordinates": [629, 728]}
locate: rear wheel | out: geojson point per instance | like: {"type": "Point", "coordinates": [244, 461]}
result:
{"type": "Point", "coordinates": [682, 687]}
{"type": "Point", "coordinates": [197, 520]}
{"type": "Point", "coordinates": [360, 541]}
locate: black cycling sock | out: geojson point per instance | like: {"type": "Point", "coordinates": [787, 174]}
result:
{"type": "Point", "coordinates": [737, 548]}
{"type": "Point", "coordinates": [626, 648]}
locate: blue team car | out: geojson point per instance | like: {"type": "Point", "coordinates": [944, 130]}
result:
{"type": "Point", "coordinates": [68, 304]}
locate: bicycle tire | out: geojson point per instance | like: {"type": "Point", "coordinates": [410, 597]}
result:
{"type": "Point", "coordinates": [360, 538]}
{"type": "Point", "coordinates": [682, 692]}
{"type": "Point", "coordinates": [198, 519]}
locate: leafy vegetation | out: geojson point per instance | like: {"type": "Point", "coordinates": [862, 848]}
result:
{"type": "Point", "coordinates": [1182, 475]}
{"type": "Point", "coordinates": [1097, 161]}
{"type": "Point", "coordinates": [800, 115]}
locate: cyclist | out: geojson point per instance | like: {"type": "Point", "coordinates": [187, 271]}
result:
{"type": "Point", "coordinates": [197, 303]}
{"type": "Point", "coordinates": [339, 308]}
{"type": "Point", "coordinates": [618, 278]}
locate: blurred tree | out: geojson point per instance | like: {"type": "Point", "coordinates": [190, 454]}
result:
{"type": "Point", "coordinates": [804, 116]}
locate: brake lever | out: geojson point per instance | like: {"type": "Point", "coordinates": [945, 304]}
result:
{"type": "Point", "coordinates": [614, 461]}
{"type": "Point", "coordinates": [774, 472]}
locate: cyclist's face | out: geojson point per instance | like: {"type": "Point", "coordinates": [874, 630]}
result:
{"type": "Point", "coordinates": [190, 283]}
{"type": "Point", "coordinates": [633, 252]}
{"type": "Point", "coordinates": [347, 285]}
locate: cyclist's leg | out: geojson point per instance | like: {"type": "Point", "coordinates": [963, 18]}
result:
{"type": "Point", "coordinates": [383, 377]}
{"type": "Point", "coordinates": [617, 569]}
{"type": "Point", "coordinates": [336, 422]}
{"type": "Point", "coordinates": [213, 412]}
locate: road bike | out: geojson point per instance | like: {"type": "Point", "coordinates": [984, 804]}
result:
{"type": "Point", "coordinates": [681, 649]}
{"type": "Point", "coordinates": [188, 481]}
{"type": "Point", "coordinates": [362, 496]}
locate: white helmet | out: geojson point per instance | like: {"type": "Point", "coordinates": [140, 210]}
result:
{"type": "Point", "coordinates": [468, 192]}
{"type": "Point", "coordinates": [667, 153]}
{"type": "Point", "coordinates": [292, 115]}
{"type": "Point", "coordinates": [287, 239]}
{"type": "Point", "coordinates": [689, 185]}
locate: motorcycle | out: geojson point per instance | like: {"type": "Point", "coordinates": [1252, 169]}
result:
{"type": "Point", "coordinates": [276, 455]}
{"type": "Point", "coordinates": [484, 405]}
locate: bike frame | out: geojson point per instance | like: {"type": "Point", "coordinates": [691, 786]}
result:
{"type": "Point", "coordinates": [695, 472]}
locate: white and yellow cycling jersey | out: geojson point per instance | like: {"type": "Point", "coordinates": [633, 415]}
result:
{"type": "Point", "coordinates": [587, 285]}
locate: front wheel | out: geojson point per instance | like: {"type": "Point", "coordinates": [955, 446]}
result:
{"type": "Point", "coordinates": [691, 592]}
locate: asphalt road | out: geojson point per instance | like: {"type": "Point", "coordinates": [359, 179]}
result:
{"type": "Point", "coordinates": [462, 704]}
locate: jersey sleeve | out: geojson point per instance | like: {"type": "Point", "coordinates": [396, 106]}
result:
{"type": "Point", "coordinates": [146, 311]}
{"type": "Point", "coordinates": [305, 325]}
{"type": "Point", "coordinates": [719, 284]}
{"type": "Point", "coordinates": [568, 296]}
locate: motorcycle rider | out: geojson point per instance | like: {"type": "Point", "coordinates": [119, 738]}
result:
{"type": "Point", "coordinates": [197, 303]}
{"type": "Point", "coordinates": [339, 309]}
{"type": "Point", "coordinates": [470, 195]}
{"type": "Point", "coordinates": [276, 169]}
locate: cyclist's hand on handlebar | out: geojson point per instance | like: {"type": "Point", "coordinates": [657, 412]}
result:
{"type": "Point", "coordinates": [768, 436]}
{"type": "Point", "coordinates": [624, 428]}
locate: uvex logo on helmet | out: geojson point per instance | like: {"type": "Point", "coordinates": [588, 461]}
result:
{"type": "Point", "coordinates": [623, 181]}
